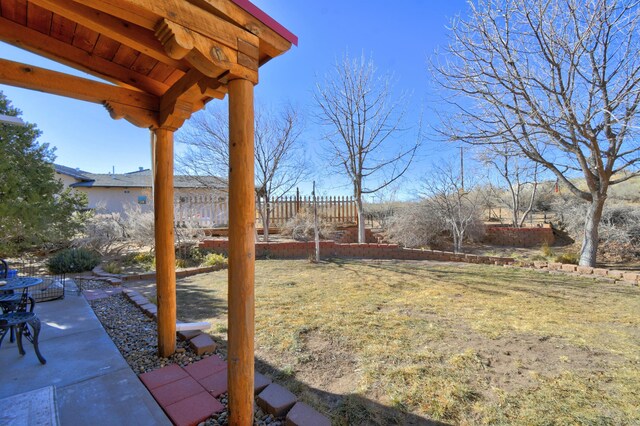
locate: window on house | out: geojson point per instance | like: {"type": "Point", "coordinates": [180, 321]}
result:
{"type": "Point", "coordinates": [142, 199]}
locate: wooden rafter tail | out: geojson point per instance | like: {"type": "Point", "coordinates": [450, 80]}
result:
{"type": "Point", "coordinates": [136, 116]}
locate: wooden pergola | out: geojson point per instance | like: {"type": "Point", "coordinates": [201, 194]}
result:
{"type": "Point", "coordinates": [165, 59]}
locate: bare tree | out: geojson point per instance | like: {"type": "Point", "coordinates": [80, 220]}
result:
{"type": "Point", "coordinates": [458, 208]}
{"type": "Point", "coordinates": [356, 108]}
{"type": "Point", "coordinates": [557, 78]}
{"type": "Point", "coordinates": [279, 158]}
{"type": "Point", "coordinates": [520, 176]}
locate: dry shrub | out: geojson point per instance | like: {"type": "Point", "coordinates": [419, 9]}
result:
{"type": "Point", "coordinates": [619, 228]}
{"type": "Point", "coordinates": [301, 226]}
{"type": "Point", "coordinates": [104, 233]}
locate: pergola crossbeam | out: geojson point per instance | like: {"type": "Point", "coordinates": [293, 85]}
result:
{"type": "Point", "coordinates": [57, 83]}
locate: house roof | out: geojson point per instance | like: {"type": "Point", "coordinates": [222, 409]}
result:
{"type": "Point", "coordinates": [137, 179]}
{"type": "Point", "coordinates": [75, 173]}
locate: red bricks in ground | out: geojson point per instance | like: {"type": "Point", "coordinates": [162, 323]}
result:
{"type": "Point", "coordinates": [176, 391]}
{"type": "Point", "coordinates": [202, 344]}
{"type": "Point", "coordinates": [260, 382]}
{"type": "Point", "coordinates": [303, 415]}
{"type": "Point", "coordinates": [188, 334]}
{"type": "Point", "coordinates": [205, 367]}
{"type": "Point", "coordinates": [216, 384]}
{"type": "Point", "coordinates": [276, 400]}
{"type": "Point", "coordinates": [194, 409]}
{"type": "Point", "coordinates": [162, 376]}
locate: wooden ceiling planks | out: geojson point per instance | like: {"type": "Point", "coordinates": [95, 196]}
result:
{"type": "Point", "coordinates": [84, 38]}
{"type": "Point", "coordinates": [15, 10]}
{"type": "Point", "coordinates": [62, 28]}
{"type": "Point", "coordinates": [125, 56]}
{"type": "Point", "coordinates": [39, 18]}
{"type": "Point", "coordinates": [106, 48]}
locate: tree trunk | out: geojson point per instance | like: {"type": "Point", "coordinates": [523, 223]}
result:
{"type": "Point", "coordinates": [362, 238]}
{"type": "Point", "coordinates": [590, 237]}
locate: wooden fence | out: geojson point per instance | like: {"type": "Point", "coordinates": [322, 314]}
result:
{"type": "Point", "coordinates": [201, 211]}
{"type": "Point", "coordinates": [331, 209]}
{"type": "Point", "coordinates": [206, 211]}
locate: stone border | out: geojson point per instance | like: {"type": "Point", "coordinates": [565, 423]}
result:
{"type": "Point", "coordinates": [332, 249]}
{"type": "Point", "coordinates": [101, 274]}
{"type": "Point", "coordinates": [199, 341]}
{"type": "Point", "coordinates": [629, 277]}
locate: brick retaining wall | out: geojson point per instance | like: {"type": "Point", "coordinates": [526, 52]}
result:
{"type": "Point", "coordinates": [331, 249]}
{"type": "Point", "coordinates": [519, 237]}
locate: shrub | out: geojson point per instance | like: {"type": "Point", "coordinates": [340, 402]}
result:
{"type": "Point", "coordinates": [546, 250]}
{"type": "Point", "coordinates": [112, 268]}
{"type": "Point", "coordinates": [571, 258]}
{"type": "Point", "coordinates": [215, 260]}
{"type": "Point", "coordinates": [73, 260]}
{"type": "Point", "coordinates": [301, 226]}
{"type": "Point", "coordinates": [143, 258]}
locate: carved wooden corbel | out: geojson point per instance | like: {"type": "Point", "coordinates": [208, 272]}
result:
{"type": "Point", "coordinates": [137, 116]}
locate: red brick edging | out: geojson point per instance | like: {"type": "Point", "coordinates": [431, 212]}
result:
{"type": "Point", "coordinates": [331, 249]}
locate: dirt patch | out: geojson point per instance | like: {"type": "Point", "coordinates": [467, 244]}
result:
{"type": "Point", "coordinates": [327, 364]}
{"type": "Point", "coordinates": [512, 363]}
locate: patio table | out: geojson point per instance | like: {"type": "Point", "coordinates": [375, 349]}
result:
{"type": "Point", "coordinates": [17, 316]}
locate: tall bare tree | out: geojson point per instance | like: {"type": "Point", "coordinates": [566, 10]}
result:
{"type": "Point", "coordinates": [279, 158]}
{"type": "Point", "coordinates": [456, 204]}
{"type": "Point", "coordinates": [361, 121]}
{"type": "Point", "coordinates": [558, 79]}
{"type": "Point", "coordinates": [521, 177]}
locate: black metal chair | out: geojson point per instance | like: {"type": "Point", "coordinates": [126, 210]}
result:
{"type": "Point", "coordinates": [11, 301]}
{"type": "Point", "coordinates": [21, 321]}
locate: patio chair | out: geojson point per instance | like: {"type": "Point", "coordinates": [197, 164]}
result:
{"type": "Point", "coordinates": [22, 321]}
{"type": "Point", "coordinates": [9, 300]}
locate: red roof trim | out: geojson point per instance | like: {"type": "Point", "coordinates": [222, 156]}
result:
{"type": "Point", "coordinates": [267, 20]}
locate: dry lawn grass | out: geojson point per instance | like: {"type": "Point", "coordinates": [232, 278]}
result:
{"type": "Point", "coordinates": [400, 342]}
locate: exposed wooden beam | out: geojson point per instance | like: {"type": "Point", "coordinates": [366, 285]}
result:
{"type": "Point", "coordinates": [147, 13]}
{"type": "Point", "coordinates": [74, 57]}
{"type": "Point", "coordinates": [271, 43]}
{"type": "Point", "coordinates": [209, 57]}
{"type": "Point", "coordinates": [57, 83]}
{"type": "Point", "coordinates": [136, 116]}
{"type": "Point", "coordinates": [134, 36]}
{"type": "Point", "coordinates": [187, 96]}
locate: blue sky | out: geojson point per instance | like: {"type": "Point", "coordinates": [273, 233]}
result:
{"type": "Point", "coordinates": [400, 38]}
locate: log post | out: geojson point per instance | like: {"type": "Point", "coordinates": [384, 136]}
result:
{"type": "Point", "coordinates": [241, 252]}
{"type": "Point", "coordinates": [165, 251]}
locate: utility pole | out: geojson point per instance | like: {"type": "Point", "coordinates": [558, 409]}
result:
{"type": "Point", "coordinates": [462, 167]}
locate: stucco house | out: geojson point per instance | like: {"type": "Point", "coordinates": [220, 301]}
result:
{"type": "Point", "coordinates": [197, 198]}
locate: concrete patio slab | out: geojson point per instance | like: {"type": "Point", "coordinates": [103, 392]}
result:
{"type": "Point", "coordinates": [123, 400]}
{"type": "Point", "coordinates": [70, 359]}
{"type": "Point", "coordinates": [76, 317]}
{"type": "Point", "coordinates": [93, 383]}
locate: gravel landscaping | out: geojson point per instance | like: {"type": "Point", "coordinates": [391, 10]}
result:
{"type": "Point", "coordinates": [135, 335]}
